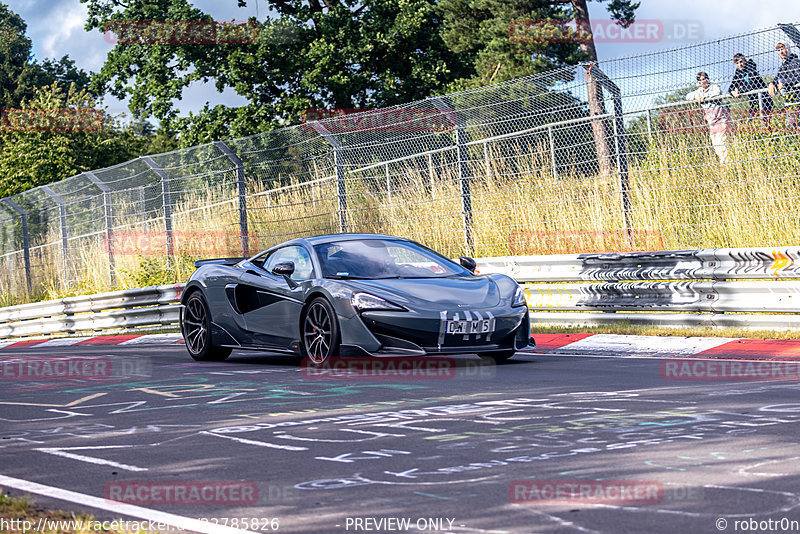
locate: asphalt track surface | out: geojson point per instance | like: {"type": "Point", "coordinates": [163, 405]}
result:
{"type": "Point", "coordinates": [545, 443]}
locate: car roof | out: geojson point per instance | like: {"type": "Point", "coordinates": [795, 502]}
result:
{"type": "Point", "coordinates": [329, 238]}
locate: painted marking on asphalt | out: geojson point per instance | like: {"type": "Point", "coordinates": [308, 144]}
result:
{"type": "Point", "coordinates": [64, 342]}
{"type": "Point", "coordinates": [154, 339]}
{"type": "Point", "coordinates": [61, 451]}
{"type": "Point", "coordinates": [257, 443]}
{"type": "Point", "coordinates": [108, 340]}
{"type": "Point", "coordinates": [617, 343]}
{"type": "Point", "coordinates": [30, 343]}
{"type": "Point", "coordinates": [181, 522]}
{"type": "Point", "coordinates": [73, 403]}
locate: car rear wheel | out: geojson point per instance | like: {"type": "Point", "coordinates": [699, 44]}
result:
{"type": "Point", "coordinates": [499, 356]}
{"type": "Point", "coordinates": [196, 329]}
{"type": "Point", "coordinates": [320, 332]}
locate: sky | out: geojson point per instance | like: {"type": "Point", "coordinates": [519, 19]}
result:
{"type": "Point", "coordinates": [56, 28]}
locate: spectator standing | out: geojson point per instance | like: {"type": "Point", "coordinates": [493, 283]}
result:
{"type": "Point", "coordinates": [716, 113]}
{"type": "Point", "coordinates": [746, 79]}
{"type": "Point", "coordinates": [788, 79]}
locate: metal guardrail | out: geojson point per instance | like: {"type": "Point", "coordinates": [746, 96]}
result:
{"type": "Point", "coordinates": [155, 306]}
{"type": "Point", "coordinates": [755, 288]}
{"type": "Point", "coordinates": [741, 288]}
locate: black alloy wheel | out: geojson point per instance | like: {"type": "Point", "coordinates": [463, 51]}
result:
{"type": "Point", "coordinates": [196, 329]}
{"type": "Point", "coordinates": [320, 332]}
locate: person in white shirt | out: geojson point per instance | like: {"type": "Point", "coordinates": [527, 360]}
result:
{"type": "Point", "coordinates": [716, 113]}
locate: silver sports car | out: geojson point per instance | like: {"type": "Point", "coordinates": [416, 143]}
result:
{"type": "Point", "coordinates": [352, 295]}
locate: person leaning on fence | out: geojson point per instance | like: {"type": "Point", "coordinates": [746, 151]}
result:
{"type": "Point", "coordinates": [747, 79]}
{"type": "Point", "coordinates": [788, 80]}
{"type": "Point", "coordinates": [716, 113]}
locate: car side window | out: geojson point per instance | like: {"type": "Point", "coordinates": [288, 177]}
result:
{"type": "Point", "coordinates": [259, 261]}
{"type": "Point", "coordinates": [303, 268]}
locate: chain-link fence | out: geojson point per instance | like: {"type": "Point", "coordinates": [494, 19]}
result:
{"type": "Point", "coordinates": [528, 166]}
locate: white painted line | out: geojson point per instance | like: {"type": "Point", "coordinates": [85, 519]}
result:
{"type": "Point", "coordinates": [153, 339]}
{"type": "Point", "coordinates": [60, 451]}
{"type": "Point", "coordinates": [258, 443]}
{"type": "Point", "coordinates": [130, 510]}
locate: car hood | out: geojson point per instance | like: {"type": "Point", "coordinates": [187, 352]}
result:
{"type": "Point", "coordinates": [435, 293]}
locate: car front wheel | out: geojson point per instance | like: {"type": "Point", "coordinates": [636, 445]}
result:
{"type": "Point", "coordinates": [320, 332]}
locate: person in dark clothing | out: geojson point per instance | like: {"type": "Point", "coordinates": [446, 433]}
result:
{"type": "Point", "coordinates": [788, 79]}
{"type": "Point", "coordinates": [746, 79]}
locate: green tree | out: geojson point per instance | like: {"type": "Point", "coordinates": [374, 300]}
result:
{"type": "Point", "coordinates": [58, 134]}
{"type": "Point", "coordinates": [343, 54]}
{"type": "Point", "coordinates": [20, 74]}
{"type": "Point", "coordinates": [501, 38]}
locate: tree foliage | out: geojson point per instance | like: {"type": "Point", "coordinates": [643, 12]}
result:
{"type": "Point", "coordinates": [343, 54]}
{"type": "Point", "coordinates": [58, 134]}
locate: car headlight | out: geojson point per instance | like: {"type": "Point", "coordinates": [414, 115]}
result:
{"type": "Point", "coordinates": [366, 302]}
{"type": "Point", "coordinates": [519, 299]}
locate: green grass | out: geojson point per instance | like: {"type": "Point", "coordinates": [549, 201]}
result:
{"type": "Point", "coordinates": [16, 510]}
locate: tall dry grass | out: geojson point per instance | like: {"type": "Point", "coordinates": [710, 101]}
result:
{"type": "Point", "coordinates": [681, 197]}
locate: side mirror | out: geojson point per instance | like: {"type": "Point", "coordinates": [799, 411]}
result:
{"type": "Point", "coordinates": [467, 263]}
{"type": "Point", "coordinates": [284, 269]}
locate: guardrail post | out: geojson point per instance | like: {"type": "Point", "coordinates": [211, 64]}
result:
{"type": "Point", "coordinates": [109, 217]}
{"type": "Point", "coordinates": [464, 173]}
{"type": "Point", "coordinates": [62, 215]}
{"type": "Point", "coordinates": [165, 194]}
{"type": "Point", "coordinates": [240, 187]}
{"type": "Point", "coordinates": [338, 163]}
{"type": "Point", "coordinates": [619, 137]}
{"type": "Point", "coordinates": [26, 249]}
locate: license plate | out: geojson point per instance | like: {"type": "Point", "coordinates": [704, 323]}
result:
{"type": "Point", "coordinates": [476, 326]}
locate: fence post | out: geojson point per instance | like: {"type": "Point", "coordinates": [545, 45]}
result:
{"type": "Point", "coordinates": [431, 174]}
{"type": "Point", "coordinates": [109, 223]}
{"type": "Point", "coordinates": [552, 151]}
{"type": "Point", "coordinates": [165, 194]}
{"type": "Point", "coordinates": [338, 163]}
{"type": "Point", "coordinates": [791, 32]}
{"type": "Point", "coordinates": [388, 184]}
{"type": "Point", "coordinates": [649, 124]}
{"type": "Point", "coordinates": [26, 245]}
{"type": "Point", "coordinates": [486, 159]}
{"type": "Point", "coordinates": [240, 186]}
{"type": "Point", "coordinates": [464, 173]}
{"type": "Point", "coordinates": [621, 148]}
{"type": "Point", "coordinates": [62, 215]}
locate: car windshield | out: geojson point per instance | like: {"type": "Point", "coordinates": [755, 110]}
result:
{"type": "Point", "coordinates": [383, 258]}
